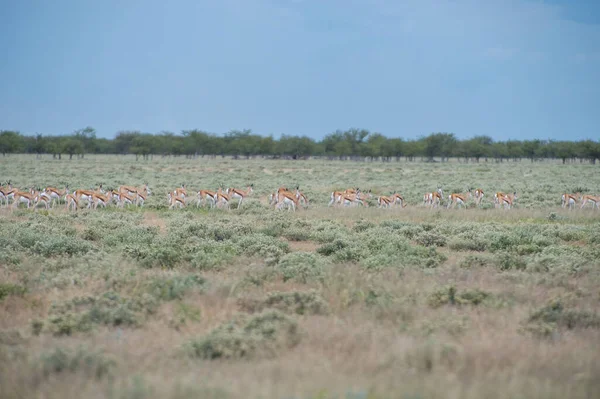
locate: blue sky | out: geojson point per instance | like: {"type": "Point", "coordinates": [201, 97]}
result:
{"type": "Point", "coordinates": [508, 69]}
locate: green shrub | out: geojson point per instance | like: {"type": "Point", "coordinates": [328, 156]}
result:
{"type": "Point", "coordinates": [507, 261]}
{"type": "Point", "coordinates": [262, 335]}
{"type": "Point", "coordinates": [169, 289]}
{"type": "Point", "coordinates": [555, 315]}
{"type": "Point", "coordinates": [463, 244]}
{"type": "Point", "coordinates": [7, 289]}
{"type": "Point", "coordinates": [295, 302]}
{"type": "Point", "coordinates": [302, 267]}
{"type": "Point", "coordinates": [471, 261]}
{"type": "Point", "coordinates": [82, 314]}
{"type": "Point", "coordinates": [451, 296]}
{"type": "Point", "coordinates": [62, 360]}
{"type": "Point", "coordinates": [431, 240]}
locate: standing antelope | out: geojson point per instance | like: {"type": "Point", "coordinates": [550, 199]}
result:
{"type": "Point", "coordinates": [101, 199]}
{"type": "Point", "coordinates": [42, 197]}
{"type": "Point", "coordinates": [175, 201]}
{"type": "Point", "coordinates": [458, 199]}
{"type": "Point", "coordinates": [235, 193]}
{"type": "Point", "coordinates": [71, 200]}
{"type": "Point", "coordinates": [499, 198]}
{"type": "Point", "coordinates": [56, 194]}
{"type": "Point", "coordinates": [569, 200]}
{"type": "Point", "coordinates": [223, 198]}
{"type": "Point", "coordinates": [595, 200]}
{"type": "Point", "coordinates": [302, 199]}
{"type": "Point", "coordinates": [397, 198]}
{"type": "Point", "coordinates": [478, 196]}
{"type": "Point", "coordinates": [288, 199]}
{"type": "Point", "coordinates": [208, 197]}
{"type": "Point", "coordinates": [21, 196]}
{"type": "Point", "coordinates": [181, 191]}
{"type": "Point", "coordinates": [434, 199]}
{"type": "Point", "coordinates": [384, 202]}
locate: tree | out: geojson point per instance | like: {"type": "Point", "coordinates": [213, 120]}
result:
{"type": "Point", "coordinates": [72, 146]}
{"type": "Point", "coordinates": [10, 142]}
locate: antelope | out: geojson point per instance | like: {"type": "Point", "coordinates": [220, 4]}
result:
{"type": "Point", "coordinates": [181, 192]}
{"type": "Point", "coordinates": [42, 197]}
{"type": "Point", "coordinates": [140, 197]}
{"type": "Point", "coordinates": [397, 198]}
{"type": "Point", "coordinates": [302, 199]}
{"type": "Point", "coordinates": [235, 193]}
{"type": "Point", "coordinates": [71, 199]}
{"type": "Point", "coordinates": [384, 202]}
{"type": "Point", "coordinates": [336, 196]}
{"type": "Point", "coordinates": [595, 200]}
{"type": "Point", "coordinates": [458, 199]}
{"type": "Point", "coordinates": [498, 198]}
{"type": "Point", "coordinates": [101, 199]}
{"type": "Point", "coordinates": [123, 198]}
{"type": "Point", "coordinates": [208, 197]}
{"type": "Point", "coordinates": [134, 190]}
{"type": "Point", "coordinates": [507, 201]}
{"type": "Point", "coordinates": [223, 198]}
{"type": "Point", "coordinates": [7, 193]}
{"type": "Point", "coordinates": [435, 198]}
{"type": "Point", "coordinates": [56, 194]}
{"type": "Point", "coordinates": [478, 196]}
{"type": "Point", "coordinates": [569, 200]}
{"type": "Point", "coordinates": [21, 196]}
{"type": "Point", "coordinates": [287, 198]}
{"type": "Point", "coordinates": [175, 201]}
{"type": "Point", "coordinates": [87, 195]}
{"type": "Point", "coordinates": [354, 199]}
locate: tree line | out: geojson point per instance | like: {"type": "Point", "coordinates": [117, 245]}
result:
{"type": "Point", "coordinates": [357, 144]}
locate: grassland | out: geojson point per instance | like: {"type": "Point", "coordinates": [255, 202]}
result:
{"type": "Point", "coordinates": [321, 303]}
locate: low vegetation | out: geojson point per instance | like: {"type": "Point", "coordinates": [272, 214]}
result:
{"type": "Point", "coordinates": [320, 303]}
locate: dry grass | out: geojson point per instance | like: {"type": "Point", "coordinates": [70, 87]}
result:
{"type": "Point", "coordinates": [384, 335]}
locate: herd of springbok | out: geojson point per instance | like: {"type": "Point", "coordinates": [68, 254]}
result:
{"type": "Point", "coordinates": [279, 199]}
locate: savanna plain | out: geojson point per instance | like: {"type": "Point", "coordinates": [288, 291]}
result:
{"type": "Point", "coordinates": [324, 302]}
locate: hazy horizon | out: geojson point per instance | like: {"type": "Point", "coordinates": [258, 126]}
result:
{"type": "Point", "coordinates": [519, 69]}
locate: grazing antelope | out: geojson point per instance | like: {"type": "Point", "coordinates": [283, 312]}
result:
{"type": "Point", "coordinates": [569, 200]}
{"type": "Point", "coordinates": [56, 194]}
{"type": "Point", "coordinates": [208, 197]}
{"type": "Point", "coordinates": [434, 199]}
{"type": "Point", "coordinates": [478, 196]}
{"type": "Point", "coordinates": [71, 200]}
{"type": "Point", "coordinates": [459, 199]}
{"type": "Point", "coordinates": [141, 196]}
{"type": "Point", "coordinates": [336, 196]}
{"type": "Point", "coordinates": [384, 202]}
{"type": "Point", "coordinates": [42, 197]}
{"type": "Point", "coordinates": [507, 201]}
{"type": "Point", "coordinates": [302, 199]}
{"type": "Point", "coordinates": [397, 198]}
{"type": "Point", "coordinates": [595, 200]}
{"type": "Point", "coordinates": [235, 193]}
{"type": "Point", "coordinates": [354, 199]}
{"type": "Point", "coordinates": [175, 201]}
{"type": "Point", "coordinates": [499, 196]}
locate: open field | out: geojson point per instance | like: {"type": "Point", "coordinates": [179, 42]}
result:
{"type": "Point", "coordinates": [320, 303]}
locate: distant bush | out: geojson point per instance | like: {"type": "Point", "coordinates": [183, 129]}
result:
{"type": "Point", "coordinates": [451, 296]}
{"type": "Point", "coordinates": [431, 240]}
{"type": "Point", "coordinates": [62, 360]}
{"type": "Point", "coordinates": [168, 289]}
{"type": "Point", "coordinates": [547, 319]}
{"type": "Point", "coordinates": [471, 261]}
{"type": "Point", "coordinates": [295, 302]}
{"type": "Point", "coordinates": [8, 289]}
{"type": "Point", "coordinates": [302, 267]}
{"type": "Point", "coordinates": [262, 335]}
{"type": "Point", "coordinates": [463, 244]}
{"type": "Point", "coordinates": [507, 261]}
{"type": "Point", "coordinates": [82, 314]}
